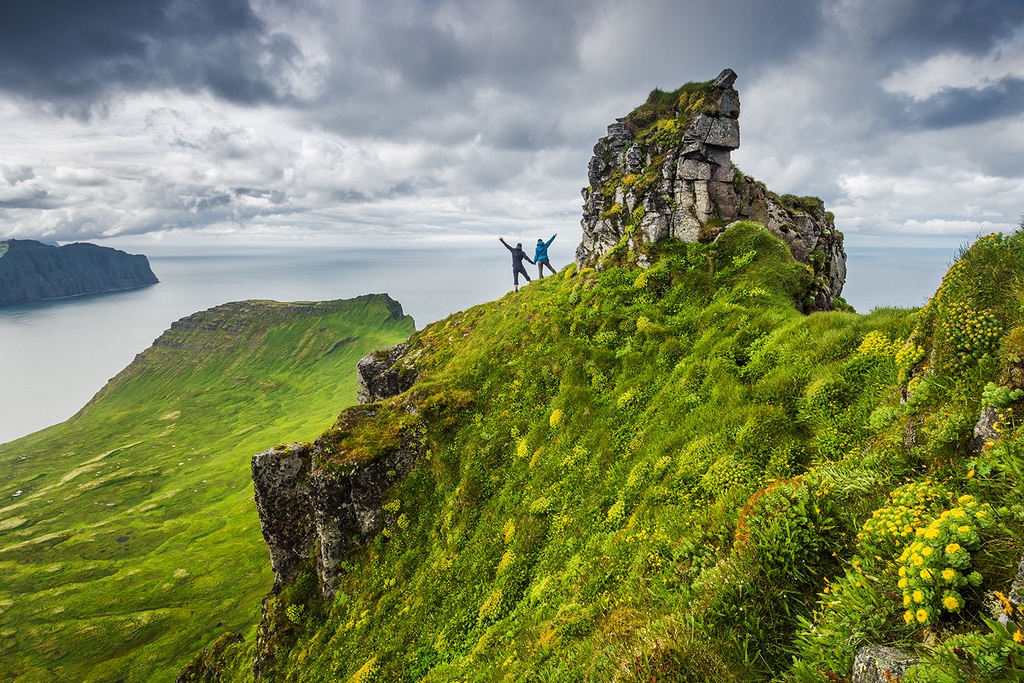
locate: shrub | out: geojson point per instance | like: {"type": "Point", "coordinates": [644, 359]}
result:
{"type": "Point", "coordinates": [936, 565]}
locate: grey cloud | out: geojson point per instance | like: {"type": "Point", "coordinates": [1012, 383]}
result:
{"type": "Point", "coordinates": [923, 27]}
{"type": "Point", "coordinates": [38, 200]}
{"type": "Point", "coordinates": [273, 196]}
{"type": "Point", "coordinates": [73, 53]}
{"type": "Point", "coordinates": [966, 106]}
{"type": "Point", "coordinates": [197, 203]}
{"type": "Point", "coordinates": [16, 174]}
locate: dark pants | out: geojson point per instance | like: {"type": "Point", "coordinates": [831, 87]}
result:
{"type": "Point", "coordinates": [540, 267]}
{"type": "Point", "coordinates": [516, 270]}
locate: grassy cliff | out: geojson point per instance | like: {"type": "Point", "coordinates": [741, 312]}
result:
{"type": "Point", "coordinates": [673, 474]}
{"type": "Point", "coordinates": [128, 536]}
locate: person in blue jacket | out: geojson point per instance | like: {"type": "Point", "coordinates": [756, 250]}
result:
{"type": "Point", "coordinates": [540, 256]}
{"type": "Point", "coordinates": [517, 262]}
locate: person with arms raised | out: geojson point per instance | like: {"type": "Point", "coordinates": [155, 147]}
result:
{"type": "Point", "coordinates": [540, 256]}
{"type": "Point", "coordinates": [517, 262]}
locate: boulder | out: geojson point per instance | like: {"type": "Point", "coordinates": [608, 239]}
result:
{"type": "Point", "coordinates": [881, 664]}
{"type": "Point", "coordinates": [985, 429]}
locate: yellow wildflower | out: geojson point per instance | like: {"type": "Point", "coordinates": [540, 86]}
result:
{"type": "Point", "coordinates": [921, 615]}
{"type": "Point", "coordinates": [926, 575]}
{"type": "Point", "coordinates": [953, 548]}
{"type": "Point", "coordinates": [927, 551]}
{"type": "Point", "coordinates": [1007, 606]}
{"type": "Point", "coordinates": [1018, 637]}
{"type": "Point", "coordinates": [918, 596]}
{"type": "Point", "coordinates": [948, 574]}
{"type": "Point", "coordinates": [908, 617]}
{"type": "Point", "coordinates": [951, 603]}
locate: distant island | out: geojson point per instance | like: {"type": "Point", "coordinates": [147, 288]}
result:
{"type": "Point", "coordinates": [34, 271]}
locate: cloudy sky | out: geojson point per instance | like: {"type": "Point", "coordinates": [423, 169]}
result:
{"type": "Point", "coordinates": [391, 120]}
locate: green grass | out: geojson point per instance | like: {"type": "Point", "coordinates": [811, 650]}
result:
{"type": "Point", "coordinates": [135, 541]}
{"type": "Point", "coordinates": [666, 475]}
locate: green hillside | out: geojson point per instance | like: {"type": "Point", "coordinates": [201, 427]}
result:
{"type": "Point", "coordinates": [128, 536]}
{"type": "Point", "coordinates": [674, 475]}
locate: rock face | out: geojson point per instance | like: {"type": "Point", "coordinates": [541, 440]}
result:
{"type": "Point", "coordinates": [880, 664]}
{"type": "Point", "coordinates": [380, 376]}
{"type": "Point", "coordinates": [33, 271]}
{"type": "Point", "coordinates": [665, 171]}
{"type": "Point", "coordinates": [307, 506]}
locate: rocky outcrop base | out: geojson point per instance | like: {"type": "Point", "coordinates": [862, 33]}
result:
{"type": "Point", "coordinates": [645, 189]}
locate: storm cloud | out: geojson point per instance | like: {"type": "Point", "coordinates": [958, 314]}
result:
{"type": "Point", "coordinates": [436, 119]}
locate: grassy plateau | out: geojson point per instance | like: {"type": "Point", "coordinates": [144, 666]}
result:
{"type": "Point", "coordinates": [674, 475]}
{"type": "Point", "coordinates": [128, 534]}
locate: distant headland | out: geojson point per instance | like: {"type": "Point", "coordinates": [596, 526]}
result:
{"type": "Point", "coordinates": [34, 271]}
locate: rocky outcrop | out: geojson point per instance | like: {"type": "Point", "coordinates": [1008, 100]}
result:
{"type": "Point", "coordinates": [309, 506]}
{"type": "Point", "coordinates": [665, 172]}
{"type": "Point", "coordinates": [880, 664]}
{"type": "Point", "coordinates": [33, 271]}
{"type": "Point", "coordinates": [380, 375]}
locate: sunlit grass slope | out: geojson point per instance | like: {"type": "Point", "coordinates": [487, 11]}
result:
{"type": "Point", "coordinates": [670, 475]}
{"type": "Point", "coordinates": [134, 538]}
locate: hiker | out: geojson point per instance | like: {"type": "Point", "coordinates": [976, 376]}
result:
{"type": "Point", "coordinates": [517, 261]}
{"type": "Point", "coordinates": [540, 256]}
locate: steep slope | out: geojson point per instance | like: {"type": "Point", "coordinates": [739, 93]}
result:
{"type": "Point", "coordinates": [33, 271]}
{"type": "Point", "coordinates": [671, 474]}
{"type": "Point", "coordinates": [128, 534]}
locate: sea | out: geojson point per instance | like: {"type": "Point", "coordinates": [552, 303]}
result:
{"type": "Point", "coordinates": [55, 355]}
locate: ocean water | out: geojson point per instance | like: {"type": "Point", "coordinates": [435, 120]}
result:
{"type": "Point", "coordinates": [901, 277]}
{"type": "Point", "coordinates": [54, 356]}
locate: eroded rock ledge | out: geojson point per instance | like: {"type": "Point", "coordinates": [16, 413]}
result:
{"type": "Point", "coordinates": [307, 507]}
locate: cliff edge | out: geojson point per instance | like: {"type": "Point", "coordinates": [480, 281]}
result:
{"type": "Point", "coordinates": [33, 271]}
